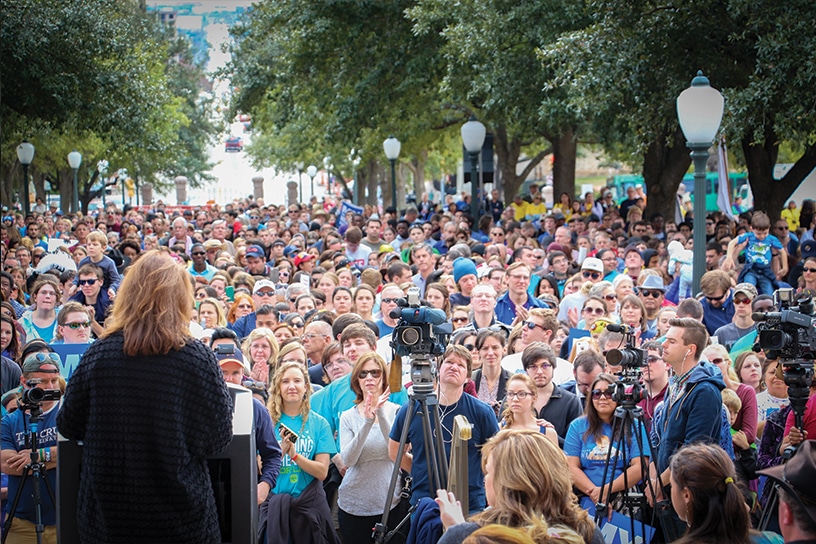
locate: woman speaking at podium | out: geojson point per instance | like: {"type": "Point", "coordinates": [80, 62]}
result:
{"type": "Point", "coordinates": [150, 404]}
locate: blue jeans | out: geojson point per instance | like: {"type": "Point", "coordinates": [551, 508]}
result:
{"type": "Point", "coordinates": [762, 277]}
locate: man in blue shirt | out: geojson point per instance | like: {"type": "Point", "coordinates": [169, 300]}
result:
{"type": "Point", "coordinates": [516, 301]}
{"type": "Point", "coordinates": [453, 373]}
{"type": "Point", "coordinates": [718, 304]}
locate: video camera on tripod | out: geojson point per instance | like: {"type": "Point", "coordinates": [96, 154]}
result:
{"type": "Point", "coordinates": [33, 397]}
{"type": "Point", "coordinates": [421, 334]}
{"type": "Point", "coordinates": [790, 336]}
{"type": "Point", "coordinates": [627, 390]}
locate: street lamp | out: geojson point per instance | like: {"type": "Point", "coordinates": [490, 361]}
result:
{"type": "Point", "coordinates": [391, 146]}
{"type": "Point", "coordinates": [299, 166]}
{"type": "Point", "coordinates": [25, 154]}
{"type": "Point", "coordinates": [699, 110]}
{"type": "Point", "coordinates": [473, 135]}
{"type": "Point", "coordinates": [74, 160]}
{"type": "Point", "coordinates": [311, 171]}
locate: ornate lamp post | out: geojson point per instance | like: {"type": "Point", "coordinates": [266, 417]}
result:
{"type": "Point", "coordinates": [74, 161]}
{"type": "Point", "coordinates": [311, 171]}
{"type": "Point", "coordinates": [25, 154]}
{"type": "Point", "coordinates": [473, 135]}
{"type": "Point", "coordinates": [391, 146]}
{"type": "Point", "coordinates": [699, 110]}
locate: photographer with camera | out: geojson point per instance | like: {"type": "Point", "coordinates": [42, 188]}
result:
{"type": "Point", "coordinates": [40, 371]}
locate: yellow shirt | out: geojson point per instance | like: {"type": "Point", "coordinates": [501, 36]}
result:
{"type": "Point", "coordinates": [520, 209]}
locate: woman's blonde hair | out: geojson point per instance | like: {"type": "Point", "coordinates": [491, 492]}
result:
{"type": "Point", "coordinates": [531, 482]}
{"type": "Point", "coordinates": [220, 319]}
{"type": "Point", "coordinates": [538, 533]}
{"type": "Point", "coordinates": [152, 309]}
{"type": "Point", "coordinates": [289, 348]}
{"type": "Point", "coordinates": [531, 387]}
{"type": "Point", "coordinates": [275, 404]}
{"type": "Point", "coordinates": [261, 332]}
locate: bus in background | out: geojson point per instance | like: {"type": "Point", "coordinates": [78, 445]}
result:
{"type": "Point", "coordinates": [739, 187]}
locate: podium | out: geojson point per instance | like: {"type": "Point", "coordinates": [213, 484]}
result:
{"type": "Point", "coordinates": [234, 474]}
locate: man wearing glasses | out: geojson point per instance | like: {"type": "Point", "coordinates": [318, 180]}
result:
{"type": "Point", "coordinates": [263, 294]}
{"type": "Point", "coordinates": [718, 304]}
{"type": "Point", "coordinates": [553, 404]}
{"type": "Point", "coordinates": [652, 294]}
{"type": "Point", "coordinates": [92, 296]}
{"type": "Point", "coordinates": [390, 294]}
{"type": "Point", "coordinates": [512, 307]}
{"type": "Point", "coordinates": [655, 379]}
{"type": "Point", "coordinates": [200, 269]}
{"type": "Point", "coordinates": [742, 323]}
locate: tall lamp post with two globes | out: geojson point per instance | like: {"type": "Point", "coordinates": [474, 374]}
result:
{"type": "Point", "coordinates": [74, 161]}
{"type": "Point", "coordinates": [25, 154]}
{"type": "Point", "coordinates": [700, 111]}
{"type": "Point", "coordinates": [473, 136]}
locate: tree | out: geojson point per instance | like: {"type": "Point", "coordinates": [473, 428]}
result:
{"type": "Point", "coordinates": [629, 65]}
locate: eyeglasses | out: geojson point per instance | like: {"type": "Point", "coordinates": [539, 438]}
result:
{"type": "Point", "coordinates": [194, 253]}
{"type": "Point", "coordinates": [293, 300]}
{"type": "Point", "coordinates": [459, 320]}
{"type": "Point", "coordinates": [337, 362]}
{"type": "Point", "coordinates": [530, 325]}
{"type": "Point", "coordinates": [650, 293]}
{"type": "Point", "coordinates": [265, 293]}
{"type": "Point", "coordinates": [283, 273]}
{"type": "Point", "coordinates": [310, 336]}
{"type": "Point", "coordinates": [254, 217]}
{"type": "Point", "coordinates": [375, 373]}
{"type": "Point", "coordinates": [87, 282]}
{"type": "Point", "coordinates": [297, 325]}
{"type": "Point", "coordinates": [394, 301]}
{"type": "Point", "coordinates": [594, 311]}
{"type": "Point", "coordinates": [717, 361]}
{"type": "Point", "coordinates": [245, 306]}
{"type": "Point", "coordinates": [782, 227]}
{"type": "Point", "coordinates": [521, 395]}
{"type": "Point", "coordinates": [201, 295]}
{"type": "Point", "coordinates": [809, 270]}
{"type": "Point", "coordinates": [601, 393]}
{"type": "Point", "coordinates": [542, 366]}
{"type": "Point", "coordinates": [587, 274]}
{"type": "Point", "coordinates": [716, 298]}
{"type": "Point", "coordinates": [610, 297]}
{"type": "Point", "coordinates": [80, 325]}
{"type": "Point", "coordinates": [653, 359]}
{"type": "Point", "coordinates": [742, 300]}
{"type": "Point", "coordinates": [469, 347]}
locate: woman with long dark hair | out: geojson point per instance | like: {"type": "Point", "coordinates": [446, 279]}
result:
{"type": "Point", "coordinates": [144, 463]}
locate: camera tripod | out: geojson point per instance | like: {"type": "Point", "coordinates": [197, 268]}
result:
{"type": "Point", "coordinates": [798, 379]}
{"type": "Point", "coordinates": [423, 403]}
{"type": "Point", "coordinates": [627, 423]}
{"type": "Point", "coordinates": [36, 469]}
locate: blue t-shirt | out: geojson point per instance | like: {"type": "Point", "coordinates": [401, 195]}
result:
{"type": "Point", "coordinates": [14, 432]}
{"type": "Point", "coordinates": [313, 438]}
{"type": "Point", "coordinates": [758, 252]}
{"type": "Point", "coordinates": [480, 415]}
{"type": "Point", "coordinates": [593, 453]}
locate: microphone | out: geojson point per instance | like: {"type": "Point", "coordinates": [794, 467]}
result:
{"type": "Point", "coordinates": [396, 313]}
{"type": "Point", "coordinates": [759, 316]}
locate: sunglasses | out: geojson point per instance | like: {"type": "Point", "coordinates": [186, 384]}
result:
{"type": "Point", "coordinates": [267, 294]}
{"type": "Point", "coordinates": [47, 357]}
{"type": "Point", "coordinates": [521, 395]}
{"type": "Point", "coordinates": [809, 270]}
{"type": "Point", "coordinates": [80, 325]}
{"type": "Point", "coordinates": [610, 297]}
{"type": "Point", "coordinates": [652, 294]}
{"type": "Point", "coordinates": [199, 253]}
{"type": "Point", "coordinates": [595, 311]}
{"type": "Point", "coordinates": [653, 359]}
{"type": "Point", "coordinates": [716, 298]}
{"type": "Point", "coordinates": [717, 361]}
{"type": "Point", "coordinates": [593, 275]}
{"type": "Point", "coordinates": [394, 301]}
{"type": "Point", "coordinates": [293, 300]}
{"type": "Point", "coordinates": [457, 319]}
{"type": "Point", "coordinates": [375, 373]}
{"type": "Point", "coordinates": [530, 325]}
{"type": "Point", "coordinates": [742, 300]}
{"type": "Point", "coordinates": [87, 282]}
{"type": "Point", "coordinates": [599, 394]}
{"type": "Point", "coordinates": [469, 347]}
{"type": "Point", "coordinates": [245, 306]}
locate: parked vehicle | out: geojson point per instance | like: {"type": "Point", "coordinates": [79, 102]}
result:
{"type": "Point", "coordinates": [234, 143]}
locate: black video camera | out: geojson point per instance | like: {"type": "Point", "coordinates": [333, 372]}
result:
{"type": "Point", "coordinates": [789, 333]}
{"type": "Point", "coordinates": [33, 397]}
{"type": "Point", "coordinates": [421, 331]}
{"type": "Point", "coordinates": [629, 356]}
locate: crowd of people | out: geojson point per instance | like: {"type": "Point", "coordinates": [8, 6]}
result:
{"type": "Point", "coordinates": [296, 303]}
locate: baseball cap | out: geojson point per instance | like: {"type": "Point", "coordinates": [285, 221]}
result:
{"type": "Point", "coordinates": [260, 284]}
{"type": "Point", "coordinates": [593, 263]}
{"type": "Point", "coordinates": [302, 258]}
{"type": "Point", "coordinates": [255, 251]}
{"type": "Point", "coordinates": [36, 361]}
{"type": "Point", "coordinates": [630, 248]}
{"type": "Point", "coordinates": [278, 242]}
{"type": "Point", "coordinates": [796, 477]}
{"type": "Point", "coordinates": [746, 289]}
{"type": "Point", "coordinates": [235, 357]}
{"type": "Point", "coordinates": [808, 249]}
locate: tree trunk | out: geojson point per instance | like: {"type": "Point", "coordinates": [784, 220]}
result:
{"type": "Point", "coordinates": [770, 194]}
{"type": "Point", "coordinates": [373, 175]}
{"type": "Point", "coordinates": [417, 168]}
{"type": "Point", "coordinates": [663, 169]}
{"type": "Point", "coordinates": [66, 179]}
{"type": "Point", "coordinates": [11, 176]}
{"type": "Point", "coordinates": [508, 150]}
{"type": "Point", "coordinates": [565, 151]}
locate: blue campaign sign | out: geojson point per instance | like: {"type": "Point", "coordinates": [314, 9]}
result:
{"type": "Point", "coordinates": [617, 530]}
{"type": "Point", "coordinates": [346, 207]}
{"type": "Point", "coordinates": [70, 355]}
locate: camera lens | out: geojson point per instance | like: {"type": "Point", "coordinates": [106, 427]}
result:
{"type": "Point", "coordinates": [410, 336]}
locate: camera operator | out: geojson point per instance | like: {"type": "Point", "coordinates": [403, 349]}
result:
{"type": "Point", "coordinates": [453, 373]}
{"type": "Point", "coordinates": [797, 494]}
{"type": "Point", "coordinates": [40, 370]}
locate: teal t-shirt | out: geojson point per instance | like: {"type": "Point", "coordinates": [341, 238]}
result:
{"type": "Point", "coordinates": [313, 438]}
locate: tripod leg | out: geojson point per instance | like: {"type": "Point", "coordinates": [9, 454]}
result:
{"type": "Point", "coordinates": [431, 457]}
{"type": "Point", "coordinates": [440, 447]}
{"type": "Point", "coordinates": [380, 530]}
{"type": "Point", "coordinates": [14, 503]}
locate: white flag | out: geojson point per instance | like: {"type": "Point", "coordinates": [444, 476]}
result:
{"type": "Point", "coordinates": [724, 192]}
